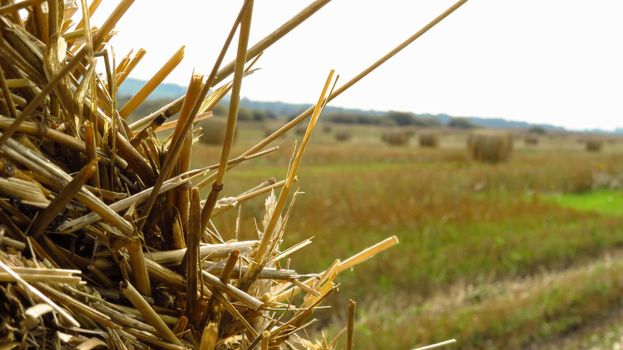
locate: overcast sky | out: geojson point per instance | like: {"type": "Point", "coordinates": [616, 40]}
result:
{"type": "Point", "coordinates": [549, 61]}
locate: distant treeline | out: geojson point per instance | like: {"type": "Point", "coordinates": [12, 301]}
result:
{"type": "Point", "coordinates": [151, 105]}
{"type": "Point", "coordinates": [390, 118]}
{"type": "Point", "coordinates": [246, 114]}
{"type": "Point", "coordinates": [342, 117]}
{"type": "Point", "coordinates": [396, 118]}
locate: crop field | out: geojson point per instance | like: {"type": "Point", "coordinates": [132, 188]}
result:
{"type": "Point", "coordinates": [515, 255]}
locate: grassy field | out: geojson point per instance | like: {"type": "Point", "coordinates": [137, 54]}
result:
{"type": "Point", "coordinates": [506, 256]}
{"type": "Point", "coordinates": [605, 202]}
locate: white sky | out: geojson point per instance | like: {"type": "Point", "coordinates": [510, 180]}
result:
{"type": "Point", "coordinates": [550, 61]}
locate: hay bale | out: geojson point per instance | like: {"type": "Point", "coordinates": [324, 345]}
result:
{"type": "Point", "coordinates": [300, 131]}
{"type": "Point", "coordinates": [429, 140]}
{"type": "Point", "coordinates": [594, 145]}
{"type": "Point", "coordinates": [531, 140]}
{"type": "Point", "coordinates": [343, 136]}
{"type": "Point", "coordinates": [327, 129]}
{"type": "Point", "coordinates": [395, 138]}
{"type": "Point", "coordinates": [490, 146]}
{"type": "Point", "coordinates": [134, 266]}
{"type": "Point", "coordinates": [213, 131]}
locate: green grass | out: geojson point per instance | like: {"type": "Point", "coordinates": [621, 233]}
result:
{"type": "Point", "coordinates": [606, 202]}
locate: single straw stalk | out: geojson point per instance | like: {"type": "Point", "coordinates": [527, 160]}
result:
{"type": "Point", "coordinates": [217, 186]}
{"type": "Point", "coordinates": [130, 67]}
{"type": "Point", "coordinates": [260, 256]}
{"type": "Point", "coordinates": [351, 324]}
{"type": "Point", "coordinates": [192, 252]}
{"type": "Point", "coordinates": [110, 23]}
{"type": "Point", "coordinates": [148, 313]}
{"type": "Point", "coordinates": [8, 97]}
{"type": "Point", "coordinates": [92, 8]}
{"type": "Point", "coordinates": [152, 83]}
{"type": "Point", "coordinates": [62, 199]}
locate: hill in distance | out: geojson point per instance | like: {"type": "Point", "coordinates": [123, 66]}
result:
{"type": "Point", "coordinates": [164, 91]}
{"type": "Point", "coordinates": [171, 91]}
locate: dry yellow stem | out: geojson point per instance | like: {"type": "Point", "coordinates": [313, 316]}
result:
{"type": "Point", "coordinates": [130, 66]}
{"type": "Point", "coordinates": [137, 261]}
{"type": "Point", "coordinates": [209, 337]}
{"type": "Point", "coordinates": [104, 33]}
{"type": "Point", "coordinates": [367, 253]}
{"type": "Point", "coordinates": [152, 83]}
{"type": "Point", "coordinates": [151, 317]}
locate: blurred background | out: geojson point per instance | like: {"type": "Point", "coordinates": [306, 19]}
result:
{"type": "Point", "coordinates": [489, 147]}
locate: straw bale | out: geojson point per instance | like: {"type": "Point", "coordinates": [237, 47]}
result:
{"type": "Point", "coordinates": [396, 138]}
{"type": "Point", "coordinates": [593, 145]}
{"type": "Point", "coordinates": [490, 146]}
{"type": "Point", "coordinates": [429, 140]}
{"type": "Point", "coordinates": [343, 136]}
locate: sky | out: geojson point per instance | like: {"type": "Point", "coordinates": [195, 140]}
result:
{"type": "Point", "coordinates": [542, 61]}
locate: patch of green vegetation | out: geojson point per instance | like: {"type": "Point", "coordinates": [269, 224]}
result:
{"type": "Point", "coordinates": [606, 202]}
{"type": "Point", "coordinates": [434, 257]}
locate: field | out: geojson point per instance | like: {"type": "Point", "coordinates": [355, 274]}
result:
{"type": "Point", "coordinates": [498, 256]}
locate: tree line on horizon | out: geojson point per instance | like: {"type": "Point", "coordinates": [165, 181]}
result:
{"type": "Point", "coordinates": [390, 118]}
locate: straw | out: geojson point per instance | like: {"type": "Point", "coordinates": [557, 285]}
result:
{"type": "Point", "coordinates": [148, 313]}
{"type": "Point", "coordinates": [217, 186]}
{"type": "Point", "coordinates": [61, 200]}
{"type": "Point", "coordinates": [152, 83]}
{"type": "Point", "coordinates": [40, 295]}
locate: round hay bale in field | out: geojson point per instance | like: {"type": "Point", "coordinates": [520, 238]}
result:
{"type": "Point", "coordinates": [594, 145]}
{"type": "Point", "coordinates": [396, 138]}
{"type": "Point", "coordinates": [490, 146]}
{"type": "Point", "coordinates": [429, 140]}
{"type": "Point", "coordinates": [531, 140]}
{"type": "Point", "coordinates": [343, 136]}
{"type": "Point", "coordinates": [327, 129]}
{"type": "Point", "coordinates": [214, 131]}
{"type": "Point", "coordinates": [300, 131]}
